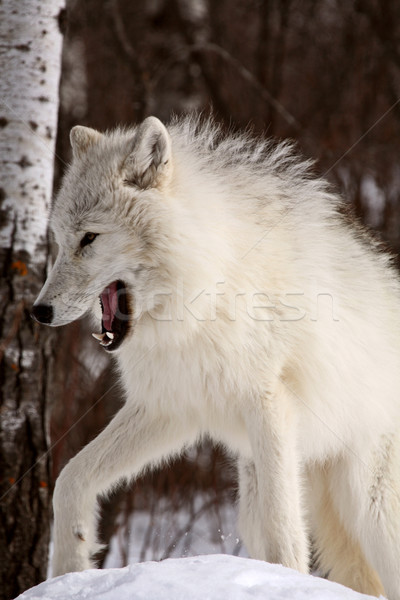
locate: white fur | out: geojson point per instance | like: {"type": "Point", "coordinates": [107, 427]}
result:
{"type": "Point", "coordinates": [204, 230]}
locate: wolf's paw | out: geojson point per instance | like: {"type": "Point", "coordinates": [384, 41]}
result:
{"type": "Point", "coordinates": [73, 549]}
{"type": "Point", "coordinates": [74, 561]}
{"type": "Point", "coordinates": [291, 553]}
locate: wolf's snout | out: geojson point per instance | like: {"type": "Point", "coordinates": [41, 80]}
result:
{"type": "Point", "coordinates": [42, 313]}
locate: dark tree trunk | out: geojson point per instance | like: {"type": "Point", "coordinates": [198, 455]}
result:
{"type": "Point", "coordinates": [24, 459]}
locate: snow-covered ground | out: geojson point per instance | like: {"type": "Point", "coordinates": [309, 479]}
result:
{"type": "Point", "coordinates": [212, 577]}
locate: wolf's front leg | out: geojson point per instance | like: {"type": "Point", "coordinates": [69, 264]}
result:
{"type": "Point", "coordinates": [271, 519]}
{"type": "Point", "coordinates": [131, 441]}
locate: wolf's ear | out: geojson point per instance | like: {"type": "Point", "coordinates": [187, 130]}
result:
{"type": "Point", "coordinates": [82, 138]}
{"type": "Point", "coordinates": [149, 162]}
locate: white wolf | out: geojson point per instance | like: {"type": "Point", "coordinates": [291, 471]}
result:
{"type": "Point", "coordinates": [241, 304]}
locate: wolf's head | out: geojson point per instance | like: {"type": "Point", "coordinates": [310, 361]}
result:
{"type": "Point", "coordinates": [107, 222]}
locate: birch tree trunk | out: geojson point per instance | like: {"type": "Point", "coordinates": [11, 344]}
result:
{"type": "Point", "coordinates": [30, 53]}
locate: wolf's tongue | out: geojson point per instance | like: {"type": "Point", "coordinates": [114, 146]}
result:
{"type": "Point", "coordinates": [109, 300]}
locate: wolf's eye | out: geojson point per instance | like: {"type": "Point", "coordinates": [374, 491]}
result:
{"type": "Point", "coordinates": [88, 238]}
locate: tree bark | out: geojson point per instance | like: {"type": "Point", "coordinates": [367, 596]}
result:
{"type": "Point", "coordinates": [30, 65]}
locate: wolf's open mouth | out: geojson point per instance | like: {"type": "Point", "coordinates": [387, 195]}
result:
{"type": "Point", "coordinates": [115, 319]}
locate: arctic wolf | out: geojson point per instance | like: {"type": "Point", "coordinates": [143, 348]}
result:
{"type": "Point", "coordinates": [240, 304]}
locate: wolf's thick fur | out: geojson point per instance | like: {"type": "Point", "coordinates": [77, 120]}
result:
{"type": "Point", "coordinates": [259, 316]}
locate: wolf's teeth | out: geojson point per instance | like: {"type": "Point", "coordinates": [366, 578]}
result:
{"type": "Point", "coordinates": [110, 335]}
{"type": "Point", "coordinates": [105, 343]}
{"type": "Point", "coordinates": [98, 336]}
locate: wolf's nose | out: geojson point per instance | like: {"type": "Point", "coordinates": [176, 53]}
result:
{"type": "Point", "coordinates": [43, 313]}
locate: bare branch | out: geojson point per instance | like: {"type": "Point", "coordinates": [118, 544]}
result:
{"type": "Point", "coordinates": [249, 78]}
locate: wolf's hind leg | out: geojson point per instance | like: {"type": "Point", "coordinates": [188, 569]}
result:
{"type": "Point", "coordinates": [367, 496]}
{"type": "Point", "coordinates": [338, 554]}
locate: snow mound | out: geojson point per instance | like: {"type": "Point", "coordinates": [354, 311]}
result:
{"type": "Point", "coordinates": [209, 577]}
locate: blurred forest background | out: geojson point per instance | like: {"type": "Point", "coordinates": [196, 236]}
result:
{"type": "Point", "coordinates": [324, 73]}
